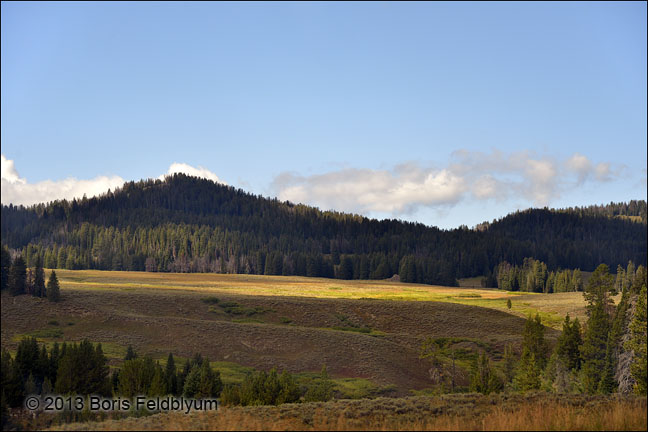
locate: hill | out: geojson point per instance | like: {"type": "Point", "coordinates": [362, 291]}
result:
{"type": "Point", "coordinates": [365, 330]}
{"type": "Point", "coordinates": [187, 224]}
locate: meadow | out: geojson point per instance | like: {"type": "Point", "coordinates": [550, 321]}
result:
{"type": "Point", "coordinates": [552, 307]}
{"type": "Point", "coordinates": [369, 335]}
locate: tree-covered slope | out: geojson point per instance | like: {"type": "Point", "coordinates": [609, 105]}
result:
{"type": "Point", "coordinates": [190, 224]}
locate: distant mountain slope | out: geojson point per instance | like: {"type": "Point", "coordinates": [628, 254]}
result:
{"type": "Point", "coordinates": [190, 224]}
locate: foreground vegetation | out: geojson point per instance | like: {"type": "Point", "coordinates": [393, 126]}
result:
{"type": "Point", "coordinates": [449, 412]}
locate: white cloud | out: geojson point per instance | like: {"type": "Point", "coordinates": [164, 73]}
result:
{"type": "Point", "coordinates": [470, 175]}
{"type": "Point", "coordinates": [581, 165]}
{"type": "Point", "coordinates": [356, 190]}
{"type": "Point", "coordinates": [486, 187]}
{"type": "Point", "coordinates": [18, 190]}
{"type": "Point", "coordinates": [192, 171]}
{"type": "Point", "coordinates": [9, 172]}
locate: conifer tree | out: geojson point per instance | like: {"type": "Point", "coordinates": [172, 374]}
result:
{"type": "Point", "coordinates": [608, 384]}
{"type": "Point", "coordinates": [83, 370]}
{"type": "Point", "coordinates": [171, 376]}
{"type": "Point", "coordinates": [158, 385]}
{"type": "Point", "coordinates": [29, 282]}
{"type": "Point", "coordinates": [482, 376]}
{"type": "Point", "coordinates": [12, 380]}
{"type": "Point", "coordinates": [136, 376]}
{"type": "Point", "coordinates": [322, 390]}
{"type": "Point", "coordinates": [533, 340]}
{"type": "Point", "coordinates": [289, 390]}
{"type": "Point", "coordinates": [209, 381]}
{"type": "Point", "coordinates": [192, 382]}
{"type": "Point", "coordinates": [53, 291]}
{"type": "Point", "coordinates": [130, 353]}
{"type": "Point", "coordinates": [529, 371]}
{"type": "Point", "coordinates": [568, 345]}
{"type": "Point", "coordinates": [5, 265]}
{"type": "Point", "coordinates": [637, 343]}
{"type": "Point", "coordinates": [17, 277]}
{"type": "Point", "coordinates": [594, 348]}
{"type": "Point", "coordinates": [600, 289]}
{"type": "Point", "coordinates": [39, 278]}
{"type": "Point", "coordinates": [509, 364]}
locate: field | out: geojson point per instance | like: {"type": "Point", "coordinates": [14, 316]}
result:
{"type": "Point", "coordinates": [367, 333]}
{"type": "Point", "coordinates": [552, 307]}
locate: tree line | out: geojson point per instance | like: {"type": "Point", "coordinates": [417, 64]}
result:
{"type": "Point", "coordinates": [18, 279]}
{"type": "Point", "coordinates": [82, 369]}
{"type": "Point", "coordinates": [187, 224]}
{"type": "Point", "coordinates": [585, 359]}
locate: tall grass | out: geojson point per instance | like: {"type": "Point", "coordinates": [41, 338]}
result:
{"type": "Point", "coordinates": [459, 412]}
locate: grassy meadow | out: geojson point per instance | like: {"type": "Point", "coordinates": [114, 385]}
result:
{"type": "Point", "coordinates": [552, 307]}
{"type": "Point", "coordinates": [369, 335]}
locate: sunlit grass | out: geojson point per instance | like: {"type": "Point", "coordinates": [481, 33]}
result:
{"type": "Point", "coordinates": [551, 307]}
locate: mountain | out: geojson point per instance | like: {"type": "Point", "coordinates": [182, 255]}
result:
{"type": "Point", "coordinates": [188, 224]}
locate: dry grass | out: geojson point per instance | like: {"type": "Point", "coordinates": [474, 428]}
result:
{"type": "Point", "coordinates": [552, 307]}
{"type": "Point", "coordinates": [371, 330]}
{"type": "Point", "coordinates": [456, 412]}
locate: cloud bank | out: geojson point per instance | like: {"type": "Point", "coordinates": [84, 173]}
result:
{"type": "Point", "coordinates": [406, 188]}
{"type": "Point", "coordinates": [18, 190]}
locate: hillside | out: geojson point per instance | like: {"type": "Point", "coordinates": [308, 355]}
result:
{"type": "Point", "coordinates": [187, 224]}
{"type": "Point", "coordinates": [368, 330]}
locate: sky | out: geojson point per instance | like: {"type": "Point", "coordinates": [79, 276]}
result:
{"type": "Point", "coordinates": [447, 114]}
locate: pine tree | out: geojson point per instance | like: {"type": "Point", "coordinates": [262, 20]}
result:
{"type": "Point", "coordinates": [17, 277]}
{"type": "Point", "coordinates": [53, 290]}
{"type": "Point", "coordinates": [12, 381]}
{"type": "Point", "coordinates": [130, 353]}
{"type": "Point", "coordinates": [209, 381]}
{"type": "Point", "coordinates": [482, 376]}
{"type": "Point", "coordinates": [509, 364]}
{"type": "Point", "coordinates": [39, 278]}
{"type": "Point", "coordinates": [171, 376]}
{"type": "Point", "coordinates": [192, 382]}
{"type": "Point", "coordinates": [321, 390]}
{"type": "Point", "coordinates": [136, 376]}
{"type": "Point", "coordinates": [577, 280]}
{"type": "Point", "coordinates": [82, 369]}
{"type": "Point", "coordinates": [594, 348]}
{"type": "Point", "coordinates": [346, 268]}
{"type": "Point", "coordinates": [289, 389]}
{"type": "Point", "coordinates": [637, 343]}
{"type": "Point", "coordinates": [529, 371]}
{"type": "Point", "coordinates": [158, 385]}
{"type": "Point", "coordinates": [533, 340]}
{"type": "Point", "coordinates": [608, 384]}
{"type": "Point", "coordinates": [30, 386]}
{"type": "Point", "coordinates": [568, 345]}
{"type": "Point", "coordinates": [600, 289]}
{"type": "Point", "coordinates": [5, 265]}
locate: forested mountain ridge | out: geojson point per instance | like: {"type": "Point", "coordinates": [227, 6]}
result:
{"type": "Point", "coordinates": [190, 224]}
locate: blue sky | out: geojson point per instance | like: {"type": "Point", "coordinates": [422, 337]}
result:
{"type": "Point", "coordinates": [444, 113]}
